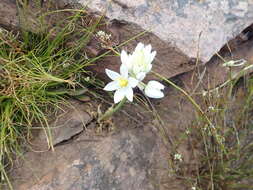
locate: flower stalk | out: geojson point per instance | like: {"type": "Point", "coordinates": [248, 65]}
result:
{"type": "Point", "coordinates": [112, 110]}
{"type": "Point", "coordinates": [187, 96]}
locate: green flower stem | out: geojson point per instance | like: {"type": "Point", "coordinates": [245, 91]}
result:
{"type": "Point", "coordinates": [196, 106]}
{"type": "Point", "coordinates": [111, 111]}
{"type": "Point", "coordinates": [187, 96]}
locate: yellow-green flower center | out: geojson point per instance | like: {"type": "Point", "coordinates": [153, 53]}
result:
{"type": "Point", "coordinates": [123, 82]}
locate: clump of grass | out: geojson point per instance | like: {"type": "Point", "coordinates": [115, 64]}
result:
{"type": "Point", "coordinates": [36, 72]}
{"type": "Point", "coordinates": [225, 137]}
{"type": "Point", "coordinates": [223, 130]}
{"type": "Point", "coordinates": [227, 160]}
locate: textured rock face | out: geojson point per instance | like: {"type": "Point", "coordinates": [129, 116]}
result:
{"type": "Point", "coordinates": [179, 29]}
{"type": "Point", "coordinates": [8, 14]}
{"type": "Point", "coordinates": [122, 161]}
{"type": "Point", "coordinates": [182, 23]}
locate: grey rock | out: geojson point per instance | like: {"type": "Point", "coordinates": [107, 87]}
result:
{"type": "Point", "coordinates": [126, 160]}
{"type": "Point", "coordinates": [182, 23]}
{"type": "Point", "coordinates": [175, 27]}
{"type": "Point", "coordinates": [8, 14]}
{"type": "Point", "coordinates": [69, 124]}
{"type": "Point", "coordinates": [70, 121]}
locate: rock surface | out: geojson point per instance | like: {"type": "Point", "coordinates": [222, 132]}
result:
{"type": "Point", "coordinates": [8, 14]}
{"type": "Point", "coordinates": [175, 27]}
{"type": "Point", "coordinates": [203, 26]}
{"type": "Point", "coordinates": [71, 121]}
{"type": "Point", "coordinates": [135, 156]}
{"type": "Point", "coordinates": [123, 161]}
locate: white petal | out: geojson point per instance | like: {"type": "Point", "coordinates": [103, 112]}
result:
{"type": "Point", "coordinates": [124, 71]}
{"type": "Point", "coordinates": [153, 89]}
{"type": "Point", "coordinates": [149, 67]}
{"type": "Point", "coordinates": [139, 46]}
{"type": "Point", "coordinates": [155, 84]}
{"type": "Point", "coordinates": [148, 49]}
{"type": "Point", "coordinates": [133, 82]}
{"type": "Point", "coordinates": [137, 69]}
{"type": "Point", "coordinates": [153, 93]}
{"type": "Point", "coordinates": [129, 62]}
{"type": "Point", "coordinates": [119, 95]}
{"type": "Point", "coordinates": [152, 56]}
{"type": "Point", "coordinates": [129, 93]}
{"type": "Point", "coordinates": [124, 57]}
{"type": "Point", "coordinates": [112, 74]}
{"type": "Point", "coordinates": [112, 86]}
{"type": "Point", "coordinates": [140, 76]}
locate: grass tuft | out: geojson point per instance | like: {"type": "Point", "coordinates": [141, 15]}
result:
{"type": "Point", "coordinates": [227, 163]}
{"type": "Point", "coordinates": [36, 73]}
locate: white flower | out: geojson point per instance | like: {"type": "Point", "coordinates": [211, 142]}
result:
{"type": "Point", "coordinates": [193, 188]}
{"type": "Point", "coordinates": [178, 157]}
{"type": "Point", "coordinates": [122, 83]}
{"type": "Point", "coordinates": [204, 93]}
{"type": "Point", "coordinates": [233, 63]}
{"type": "Point", "coordinates": [139, 63]}
{"type": "Point", "coordinates": [103, 36]}
{"type": "Point", "coordinates": [153, 89]}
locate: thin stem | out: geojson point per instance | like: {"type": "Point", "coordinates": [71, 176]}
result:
{"type": "Point", "coordinates": [195, 105]}
{"type": "Point", "coordinates": [111, 111]}
{"type": "Point", "coordinates": [232, 77]}
{"type": "Point", "coordinates": [186, 94]}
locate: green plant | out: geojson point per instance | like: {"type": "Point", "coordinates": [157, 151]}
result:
{"type": "Point", "coordinates": [223, 130]}
{"type": "Point", "coordinates": [37, 72]}
{"type": "Point", "coordinates": [226, 161]}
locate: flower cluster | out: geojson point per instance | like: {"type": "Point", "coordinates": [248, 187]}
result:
{"type": "Point", "coordinates": [103, 36]}
{"type": "Point", "coordinates": [133, 70]}
{"type": "Point", "coordinates": [178, 157]}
